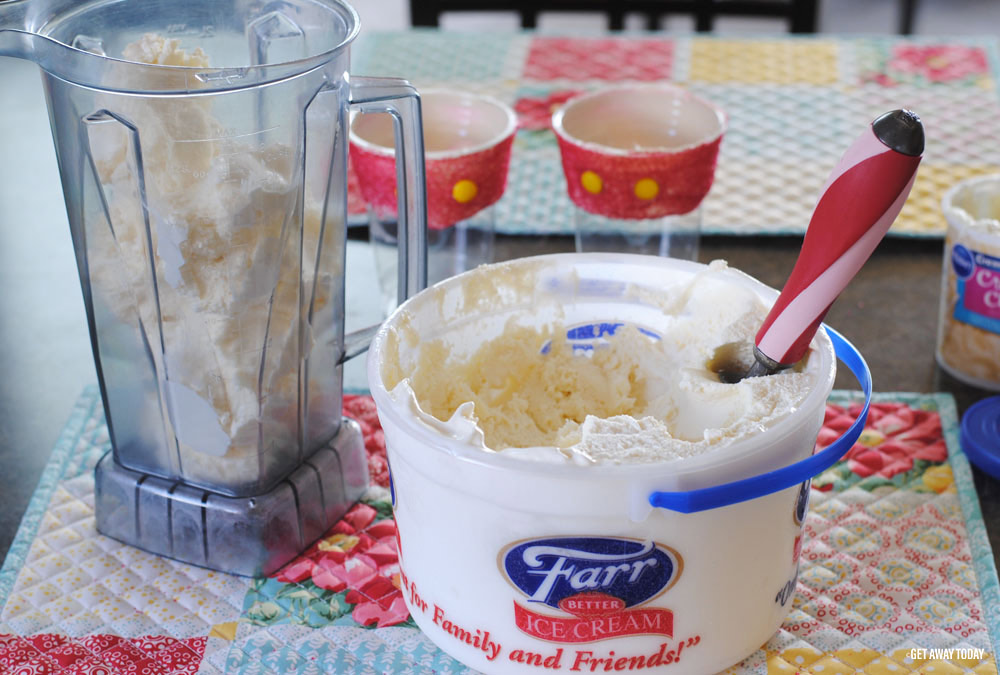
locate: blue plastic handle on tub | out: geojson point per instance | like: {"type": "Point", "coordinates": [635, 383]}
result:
{"type": "Point", "coordinates": [744, 490]}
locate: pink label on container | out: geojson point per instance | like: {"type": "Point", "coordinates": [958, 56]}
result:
{"type": "Point", "coordinates": [978, 287]}
{"type": "Point", "coordinates": [982, 292]}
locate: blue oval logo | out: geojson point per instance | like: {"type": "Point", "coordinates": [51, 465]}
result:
{"type": "Point", "coordinates": [549, 570]}
{"type": "Point", "coordinates": [962, 262]}
{"type": "Point", "coordinates": [584, 337]}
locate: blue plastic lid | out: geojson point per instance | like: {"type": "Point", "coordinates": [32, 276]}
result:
{"type": "Point", "coordinates": [981, 435]}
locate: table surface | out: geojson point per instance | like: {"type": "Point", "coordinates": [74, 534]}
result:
{"type": "Point", "coordinates": [889, 311]}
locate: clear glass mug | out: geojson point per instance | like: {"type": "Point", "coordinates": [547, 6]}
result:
{"type": "Point", "coordinates": [468, 139]}
{"type": "Point", "coordinates": [638, 160]}
{"type": "Point", "coordinates": [206, 193]}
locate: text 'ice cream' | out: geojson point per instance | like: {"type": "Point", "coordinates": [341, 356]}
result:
{"type": "Point", "coordinates": [540, 383]}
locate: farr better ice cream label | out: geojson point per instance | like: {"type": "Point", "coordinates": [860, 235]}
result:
{"type": "Point", "coordinates": [570, 591]}
{"type": "Point", "coordinates": [978, 288]}
{"type": "Point", "coordinates": [581, 595]}
{"type": "Point", "coordinates": [583, 589]}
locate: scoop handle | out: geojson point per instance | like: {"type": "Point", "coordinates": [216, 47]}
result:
{"type": "Point", "coordinates": [747, 489]}
{"type": "Point", "coordinates": [861, 199]}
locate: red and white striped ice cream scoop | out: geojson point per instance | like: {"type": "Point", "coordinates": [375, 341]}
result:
{"type": "Point", "coordinates": [860, 200]}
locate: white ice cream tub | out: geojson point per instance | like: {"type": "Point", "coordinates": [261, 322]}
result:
{"type": "Point", "coordinates": [519, 566]}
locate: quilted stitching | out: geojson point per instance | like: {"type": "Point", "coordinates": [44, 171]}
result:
{"type": "Point", "coordinates": [75, 582]}
{"type": "Point", "coordinates": [339, 649]}
{"type": "Point", "coordinates": [421, 56]}
{"type": "Point", "coordinates": [879, 556]}
{"type": "Point", "coordinates": [101, 655]}
{"type": "Point", "coordinates": [884, 569]}
{"type": "Point", "coordinates": [615, 60]}
{"type": "Point", "coordinates": [536, 171]}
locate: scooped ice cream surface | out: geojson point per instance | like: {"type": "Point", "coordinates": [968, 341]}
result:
{"type": "Point", "coordinates": [608, 391]}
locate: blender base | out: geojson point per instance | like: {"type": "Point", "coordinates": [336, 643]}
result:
{"type": "Point", "coordinates": [250, 536]}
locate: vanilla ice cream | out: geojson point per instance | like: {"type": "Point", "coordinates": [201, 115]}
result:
{"type": "Point", "coordinates": [214, 213]}
{"type": "Point", "coordinates": [606, 392]}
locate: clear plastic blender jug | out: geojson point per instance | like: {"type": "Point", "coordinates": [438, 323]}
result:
{"type": "Point", "coordinates": [202, 148]}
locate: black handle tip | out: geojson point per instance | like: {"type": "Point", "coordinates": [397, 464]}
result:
{"type": "Point", "coordinates": [902, 131]}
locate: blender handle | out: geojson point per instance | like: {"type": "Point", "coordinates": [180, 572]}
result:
{"type": "Point", "coordinates": [13, 14]}
{"type": "Point", "coordinates": [400, 99]}
{"type": "Point", "coordinates": [704, 499]}
{"type": "Point", "coordinates": [15, 40]}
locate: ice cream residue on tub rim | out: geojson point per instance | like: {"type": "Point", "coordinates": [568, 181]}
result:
{"type": "Point", "coordinates": [515, 364]}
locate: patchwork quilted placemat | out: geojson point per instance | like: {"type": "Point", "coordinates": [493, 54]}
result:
{"type": "Point", "coordinates": [896, 576]}
{"type": "Point", "coordinates": [794, 104]}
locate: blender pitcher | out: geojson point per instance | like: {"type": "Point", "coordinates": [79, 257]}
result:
{"type": "Point", "coordinates": [202, 148]}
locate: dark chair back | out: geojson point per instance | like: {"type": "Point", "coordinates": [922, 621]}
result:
{"type": "Point", "coordinates": [799, 14]}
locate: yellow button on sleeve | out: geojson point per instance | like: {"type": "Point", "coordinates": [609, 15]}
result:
{"type": "Point", "coordinates": [591, 182]}
{"type": "Point", "coordinates": [646, 188]}
{"type": "Point", "coordinates": [464, 191]}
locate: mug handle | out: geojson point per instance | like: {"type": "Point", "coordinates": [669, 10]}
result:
{"type": "Point", "coordinates": [704, 499]}
{"type": "Point", "coordinates": [400, 99]}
